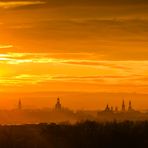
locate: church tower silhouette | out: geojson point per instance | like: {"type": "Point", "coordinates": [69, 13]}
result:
{"type": "Point", "coordinates": [130, 106]}
{"type": "Point", "coordinates": [123, 106]}
{"type": "Point", "coordinates": [58, 105]}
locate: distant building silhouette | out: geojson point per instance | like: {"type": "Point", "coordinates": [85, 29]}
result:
{"type": "Point", "coordinates": [20, 104]}
{"type": "Point", "coordinates": [107, 109]}
{"type": "Point", "coordinates": [115, 110]}
{"type": "Point", "coordinates": [123, 106]}
{"type": "Point", "coordinates": [58, 105]}
{"type": "Point", "coordinates": [130, 109]}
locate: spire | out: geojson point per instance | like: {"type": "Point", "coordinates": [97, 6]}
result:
{"type": "Point", "coordinates": [130, 106]}
{"type": "Point", "coordinates": [123, 106]}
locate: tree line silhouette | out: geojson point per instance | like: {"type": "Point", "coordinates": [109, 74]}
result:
{"type": "Point", "coordinates": [81, 135]}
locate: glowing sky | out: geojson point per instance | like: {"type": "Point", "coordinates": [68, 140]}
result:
{"type": "Point", "coordinates": [74, 46]}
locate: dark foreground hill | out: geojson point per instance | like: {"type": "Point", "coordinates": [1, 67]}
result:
{"type": "Point", "coordinates": [81, 135]}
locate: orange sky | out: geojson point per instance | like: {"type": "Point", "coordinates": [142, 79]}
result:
{"type": "Point", "coordinates": [73, 46]}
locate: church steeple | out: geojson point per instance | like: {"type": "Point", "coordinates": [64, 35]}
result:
{"type": "Point", "coordinates": [123, 106]}
{"type": "Point", "coordinates": [130, 106]}
{"type": "Point", "coordinates": [58, 105]}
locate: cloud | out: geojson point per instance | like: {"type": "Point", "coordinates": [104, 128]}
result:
{"type": "Point", "coordinates": [120, 69]}
{"type": "Point", "coordinates": [85, 2]}
{"type": "Point", "coordinates": [61, 58]}
{"type": "Point", "coordinates": [14, 4]}
{"type": "Point", "coordinates": [29, 79]}
{"type": "Point", "coordinates": [111, 29]}
{"type": "Point", "coordinates": [97, 2]}
{"type": "Point", "coordinates": [55, 70]}
{"type": "Point", "coordinates": [101, 36]}
{"type": "Point", "coordinates": [5, 46]}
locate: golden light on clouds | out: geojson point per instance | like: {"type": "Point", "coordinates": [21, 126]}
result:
{"type": "Point", "coordinates": [5, 46]}
{"type": "Point", "coordinates": [74, 46]}
{"type": "Point", "coordinates": [44, 68]}
{"type": "Point", "coordinates": [13, 4]}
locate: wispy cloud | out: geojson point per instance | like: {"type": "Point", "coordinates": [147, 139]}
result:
{"type": "Point", "coordinates": [5, 46]}
{"type": "Point", "coordinates": [56, 70]}
{"type": "Point", "coordinates": [67, 58]}
{"type": "Point", "coordinates": [29, 79]}
{"type": "Point", "coordinates": [13, 4]}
